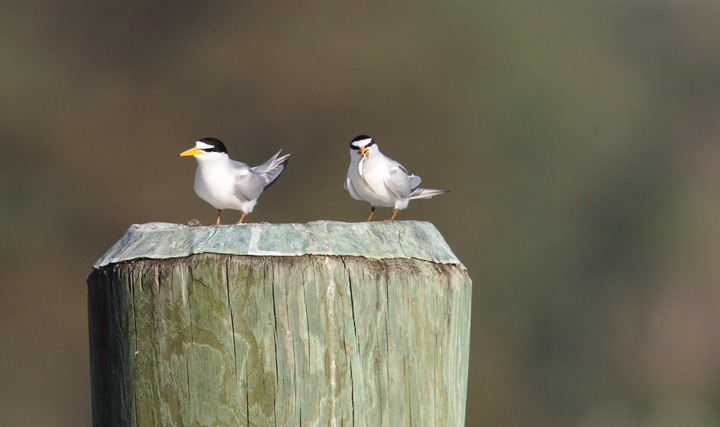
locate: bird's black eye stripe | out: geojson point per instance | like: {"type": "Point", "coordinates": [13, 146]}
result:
{"type": "Point", "coordinates": [216, 146]}
{"type": "Point", "coordinates": [361, 138]}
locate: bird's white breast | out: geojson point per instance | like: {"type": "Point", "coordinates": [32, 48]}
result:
{"type": "Point", "coordinates": [215, 181]}
{"type": "Point", "coordinates": [372, 189]}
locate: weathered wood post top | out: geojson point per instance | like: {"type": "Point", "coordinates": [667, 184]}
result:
{"type": "Point", "coordinates": [376, 240]}
{"type": "Point", "coordinates": [325, 323]}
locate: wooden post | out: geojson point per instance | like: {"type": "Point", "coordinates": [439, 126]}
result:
{"type": "Point", "coordinates": [322, 324]}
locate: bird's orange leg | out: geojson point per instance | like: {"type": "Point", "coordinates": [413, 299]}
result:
{"type": "Point", "coordinates": [392, 217]}
{"type": "Point", "coordinates": [241, 218]}
{"type": "Point", "coordinates": [372, 211]}
{"type": "Point", "coordinates": [218, 220]}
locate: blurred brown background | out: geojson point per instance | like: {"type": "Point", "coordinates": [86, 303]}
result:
{"type": "Point", "coordinates": [581, 142]}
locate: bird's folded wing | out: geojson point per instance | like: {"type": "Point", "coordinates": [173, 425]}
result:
{"type": "Point", "coordinates": [351, 189]}
{"type": "Point", "coordinates": [248, 185]}
{"type": "Point", "coordinates": [398, 182]}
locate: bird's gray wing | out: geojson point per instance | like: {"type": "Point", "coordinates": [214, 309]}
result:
{"type": "Point", "coordinates": [270, 171]}
{"type": "Point", "coordinates": [398, 182]}
{"type": "Point", "coordinates": [351, 189]}
{"type": "Point", "coordinates": [248, 184]}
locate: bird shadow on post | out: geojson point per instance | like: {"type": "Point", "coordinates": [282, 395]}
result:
{"type": "Point", "coordinates": [324, 323]}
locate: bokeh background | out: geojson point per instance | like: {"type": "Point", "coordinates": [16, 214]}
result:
{"type": "Point", "coordinates": [581, 142]}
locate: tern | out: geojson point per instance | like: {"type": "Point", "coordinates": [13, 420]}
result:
{"type": "Point", "coordinates": [228, 184]}
{"type": "Point", "coordinates": [380, 180]}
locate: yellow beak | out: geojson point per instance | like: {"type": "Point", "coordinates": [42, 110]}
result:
{"type": "Point", "coordinates": [363, 150]}
{"type": "Point", "coordinates": [191, 152]}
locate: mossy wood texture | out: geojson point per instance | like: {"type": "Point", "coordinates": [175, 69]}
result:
{"type": "Point", "coordinates": [315, 340]}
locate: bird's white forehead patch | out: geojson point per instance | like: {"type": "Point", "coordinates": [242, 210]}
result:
{"type": "Point", "coordinates": [362, 142]}
{"type": "Point", "coordinates": [202, 146]}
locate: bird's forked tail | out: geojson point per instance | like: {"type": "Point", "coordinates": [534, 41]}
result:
{"type": "Point", "coordinates": [271, 170]}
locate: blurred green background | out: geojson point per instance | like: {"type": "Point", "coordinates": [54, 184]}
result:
{"type": "Point", "coordinates": [580, 139]}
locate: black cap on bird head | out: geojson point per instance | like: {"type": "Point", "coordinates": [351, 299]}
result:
{"type": "Point", "coordinates": [362, 143]}
{"type": "Point", "coordinates": [211, 145]}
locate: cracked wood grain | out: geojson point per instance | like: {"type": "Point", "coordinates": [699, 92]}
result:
{"type": "Point", "coordinates": [315, 340]}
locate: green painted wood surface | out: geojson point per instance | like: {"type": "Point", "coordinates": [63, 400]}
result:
{"type": "Point", "coordinates": [313, 340]}
{"type": "Point", "coordinates": [378, 239]}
